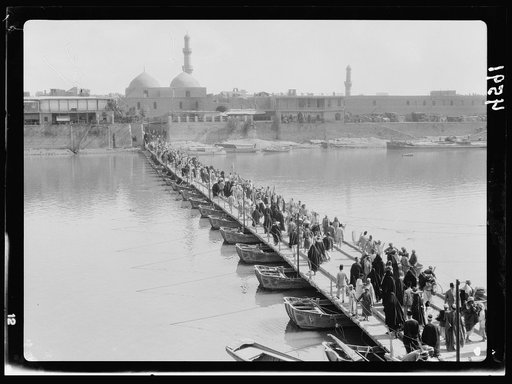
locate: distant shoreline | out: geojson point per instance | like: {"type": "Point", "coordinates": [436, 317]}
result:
{"type": "Point", "coordinates": [68, 152]}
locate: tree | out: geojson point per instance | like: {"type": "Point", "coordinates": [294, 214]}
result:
{"type": "Point", "coordinates": [221, 108]}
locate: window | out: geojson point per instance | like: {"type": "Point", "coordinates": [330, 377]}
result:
{"type": "Point", "coordinates": [337, 116]}
{"type": "Point", "coordinates": [187, 94]}
{"type": "Point", "coordinates": [433, 102]}
{"type": "Point", "coordinates": [329, 102]}
{"type": "Point", "coordinates": [46, 119]}
{"type": "Point", "coordinates": [197, 105]}
{"type": "Point", "coordinates": [375, 102]}
{"type": "Point", "coordinates": [451, 102]}
{"type": "Point", "coordinates": [146, 93]}
{"type": "Point", "coordinates": [138, 105]}
{"type": "Point", "coordinates": [154, 104]}
{"type": "Point", "coordinates": [339, 102]}
{"type": "Point", "coordinates": [181, 104]}
{"type": "Point", "coordinates": [424, 102]}
{"type": "Point", "coordinates": [407, 102]}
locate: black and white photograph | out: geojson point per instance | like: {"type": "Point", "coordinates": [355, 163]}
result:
{"type": "Point", "coordinates": [187, 192]}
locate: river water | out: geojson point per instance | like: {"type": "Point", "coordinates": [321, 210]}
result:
{"type": "Point", "coordinates": [117, 269]}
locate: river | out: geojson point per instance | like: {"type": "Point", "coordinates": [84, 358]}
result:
{"type": "Point", "coordinates": [118, 269]}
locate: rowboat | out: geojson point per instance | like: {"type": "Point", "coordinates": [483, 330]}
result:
{"type": "Point", "coordinates": [223, 221]}
{"type": "Point", "coordinates": [238, 148]}
{"type": "Point", "coordinates": [188, 193]}
{"type": "Point", "coordinates": [196, 202]}
{"type": "Point", "coordinates": [434, 144]}
{"type": "Point", "coordinates": [257, 253]}
{"type": "Point", "coordinates": [249, 350]}
{"type": "Point", "coordinates": [277, 148]}
{"type": "Point", "coordinates": [233, 236]}
{"type": "Point", "coordinates": [315, 313]}
{"type": "Point", "coordinates": [278, 277]}
{"type": "Point", "coordinates": [337, 350]}
{"type": "Point", "coordinates": [185, 186]}
{"type": "Point", "coordinates": [209, 209]}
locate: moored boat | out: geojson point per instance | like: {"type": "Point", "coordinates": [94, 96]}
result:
{"type": "Point", "coordinates": [223, 221]}
{"type": "Point", "coordinates": [337, 350]}
{"type": "Point", "coordinates": [196, 202]}
{"type": "Point", "coordinates": [277, 148]}
{"type": "Point", "coordinates": [434, 145]}
{"type": "Point", "coordinates": [238, 148]}
{"type": "Point", "coordinates": [233, 236]}
{"type": "Point", "coordinates": [315, 313]}
{"type": "Point", "coordinates": [249, 350]}
{"type": "Point", "coordinates": [188, 193]}
{"type": "Point", "coordinates": [257, 253]}
{"type": "Point", "coordinates": [209, 209]}
{"type": "Point", "coordinates": [279, 277]}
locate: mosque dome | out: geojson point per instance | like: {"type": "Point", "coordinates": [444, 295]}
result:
{"type": "Point", "coordinates": [184, 80]}
{"type": "Point", "coordinates": [144, 81]}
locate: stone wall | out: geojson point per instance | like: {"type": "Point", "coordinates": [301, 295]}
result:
{"type": "Point", "coordinates": [80, 136]}
{"type": "Point", "coordinates": [218, 132]}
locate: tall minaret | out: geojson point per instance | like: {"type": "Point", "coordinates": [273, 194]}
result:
{"type": "Point", "coordinates": [348, 82]}
{"type": "Point", "coordinates": [186, 52]}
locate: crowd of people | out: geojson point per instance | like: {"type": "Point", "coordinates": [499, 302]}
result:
{"type": "Point", "coordinates": [399, 282]}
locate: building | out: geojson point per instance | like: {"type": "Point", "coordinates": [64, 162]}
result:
{"type": "Point", "coordinates": [185, 100]}
{"type": "Point", "coordinates": [41, 110]}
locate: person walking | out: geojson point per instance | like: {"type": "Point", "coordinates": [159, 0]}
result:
{"type": "Point", "coordinates": [355, 271]}
{"type": "Point", "coordinates": [449, 296]}
{"type": "Point", "coordinates": [366, 303]}
{"type": "Point", "coordinates": [341, 284]}
{"type": "Point", "coordinates": [431, 335]}
{"type": "Point", "coordinates": [411, 337]}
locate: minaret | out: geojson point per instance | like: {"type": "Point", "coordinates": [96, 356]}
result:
{"type": "Point", "coordinates": [186, 52]}
{"type": "Point", "coordinates": [348, 82]}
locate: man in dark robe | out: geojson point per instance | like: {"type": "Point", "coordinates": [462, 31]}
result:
{"type": "Point", "coordinates": [411, 337]}
{"type": "Point", "coordinates": [375, 280]}
{"type": "Point", "coordinates": [256, 216]}
{"type": "Point", "coordinates": [314, 256]}
{"type": "Point", "coordinates": [431, 336]}
{"type": "Point", "coordinates": [387, 287]}
{"type": "Point", "coordinates": [394, 265]}
{"type": "Point", "coordinates": [399, 289]}
{"type": "Point", "coordinates": [417, 309]}
{"type": "Point", "coordinates": [355, 270]}
{"type": "Point", "coordinates": [215, 189]}
{"type": "Point", "coordinates": [279, 217]}
{"type": "Point", "coordinates": [410, 278]}
{"type": "Point", "coordinates": [378, 265]}
{"type": "Point", "coordinates": [267, 219]}
{"type": "Point", "coordinates": [470, 314]}
{"type": "Point", "coordinates": [321, 249]}
{"type": "Point", "coordinates": [275, 232]}
{"type": "Point", "coordinates": [394, 313]}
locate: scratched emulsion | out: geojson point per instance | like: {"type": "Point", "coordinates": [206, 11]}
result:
{"type": "Point", "coordinates": [118, 268]}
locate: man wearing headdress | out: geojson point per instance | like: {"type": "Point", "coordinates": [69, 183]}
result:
{"type": "Point", "coordinates": [355, 271]}
{"type": "Point", "coordinates": [471, 314]}
{"type": "Point", "coordinates": [393, 313]}
{"type": "Point", "coordinates": [275, 231]}
{"type": "Point", "coordinates": [411, 337]}
{"type": "Point", "coordinates": [378, 265]}
{"type": "Point", "coordinates": [431, 336]}
{"type": "Point", "coordinates": [417, 309]}
{"type": "Point", "coordinates": [314, 256]}
{"type": "Point", "coordinates": [387, 286]}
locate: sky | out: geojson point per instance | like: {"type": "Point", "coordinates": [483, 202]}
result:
{"type": "Point", "coordinates": [394, 57]}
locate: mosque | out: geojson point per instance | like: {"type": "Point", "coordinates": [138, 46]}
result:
{"type": "Point", "coordinates": [185, 100]}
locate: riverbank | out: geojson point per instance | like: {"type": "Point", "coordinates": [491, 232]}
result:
{"type": "Point", "coordinates": [68, 152]}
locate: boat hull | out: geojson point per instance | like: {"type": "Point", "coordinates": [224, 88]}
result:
{"type": "Point", "coordinates": [209, 210]}
{"type": "Point", "coordinates": [195, 203]}
{"type": "Point", "coordinates": [186, 194]}
{"type": "Point", "coordinates": [217, 222]}
{"type": "Point", "coordinates": [255, 254]}
{"type": "Point", "coordinates": [308, 317]}
{"type": "Point", "coordinates": [251, 351]}
{"type": "Point", "coordinates": [415, 146]}
{"type": "Point", "coordinates": [278, 278]}
{"type": "Point", "coordinates": [232, 236]}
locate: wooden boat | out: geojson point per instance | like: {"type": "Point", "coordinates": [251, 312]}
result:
{"type": "Point", "coordinates": [337, 350]}
{"type": "Point", "coordinates": [279, 277]}
{"type": "Point", "coordinates": [223, 221]}
{"type": "Point", "coordinates": [185, 186]}
{"type": "Point", "coordinates": [188, 193]}
{"type": "Point", "coordinates": [238, 148]}
{"type": "Point", "coordinates": [205, 150]}
{"type": "Point", "coordinates": [277, 148]}
{"type": "Point", "coordinates": [257, 253]}
{"type": "Point", "coordinates": [315, 313]}
{"type": "Point", "coordinates": [233, 236]}
{"type": "Point", "coordinates": [209, 209]}
{"type": "Point", "coordinates": [249, 350]}
{"type": "Point", "coordinates": [434, 145]}
{"type": "Point", "coordinates": [196, 202]}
